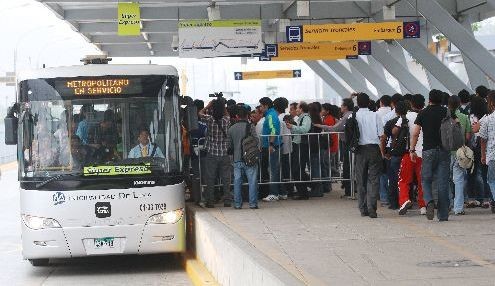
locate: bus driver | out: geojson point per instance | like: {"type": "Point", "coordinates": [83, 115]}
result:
{"type": "Point", "coordinates": [145, 148]}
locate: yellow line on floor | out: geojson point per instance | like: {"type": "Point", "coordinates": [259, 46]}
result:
{"type": "Point", "coordinates": [8, 166]}
{"type": "Point", "coordinates": [198, 273]}
{"type": "Point", "coordinates": [446, 243]}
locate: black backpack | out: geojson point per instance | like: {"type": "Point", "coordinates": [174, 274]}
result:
{"type": "Point", "coordinates": [400, 144]}
{"type": "Point", "coordinates": [249, 145]}
{"type": "Point", "coordinates": [351, 133]}
{"type": "Point", "coordinates": [451, 133]}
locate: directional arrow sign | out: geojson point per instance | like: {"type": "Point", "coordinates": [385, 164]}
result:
{"type": "Point", "coordinates": [267, 74]}
{"type": "Point", "coordinates": [238, 75]}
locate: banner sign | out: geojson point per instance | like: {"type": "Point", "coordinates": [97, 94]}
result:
{"type": "Point", "coordinates": [129, 19]}
{"type": "Point", "coordinates": [352, 32]}
{"type": "Point", "coordinates": [267, 74]}
{"type": "Point", "coordinates": [205, 39]}
{"type": "Point", "coordinates": [315, 51]}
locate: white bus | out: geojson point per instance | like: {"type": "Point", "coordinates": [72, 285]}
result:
{"type": "Point", "coordinates": [100, 161]}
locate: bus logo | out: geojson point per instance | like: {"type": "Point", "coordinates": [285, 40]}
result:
{"type": "Point", "coordinates": [58, 198]}
{"type": "Point", "coordinates": [103, 209]}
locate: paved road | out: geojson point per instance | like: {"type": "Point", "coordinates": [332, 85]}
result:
{"type": "Point", "coordinates": [117, 270]}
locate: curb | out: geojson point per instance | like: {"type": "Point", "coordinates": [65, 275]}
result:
{"type": "Point", "coordinates": [198, 273]}
{"type": "Point", "coordinates": [229, 258]}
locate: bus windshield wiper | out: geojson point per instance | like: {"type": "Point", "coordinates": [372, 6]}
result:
{"type": "Point", "coordinates": [56, 178]}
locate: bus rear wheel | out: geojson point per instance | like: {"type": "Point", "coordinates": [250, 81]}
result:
{"type": "Point", "coordinates": [39, 262]}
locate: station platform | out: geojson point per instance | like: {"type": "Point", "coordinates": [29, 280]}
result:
{"type": "Point", "coordinates": [325, 241]}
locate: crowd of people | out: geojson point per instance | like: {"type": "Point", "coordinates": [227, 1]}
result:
{"type": "Point", "coordinates": [404, 153]}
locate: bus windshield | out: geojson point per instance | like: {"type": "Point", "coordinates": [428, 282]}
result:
{"type": "Point", "coordinates": [96, 128]}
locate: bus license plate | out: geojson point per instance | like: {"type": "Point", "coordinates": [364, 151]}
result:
{"type": "Point", "coordinates": [106, 242]}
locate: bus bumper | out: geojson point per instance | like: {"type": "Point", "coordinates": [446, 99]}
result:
{"type": "Point", "coordinates": [81, 241]}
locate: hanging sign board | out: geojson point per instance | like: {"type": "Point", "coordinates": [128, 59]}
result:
{"type": "Point", "coordinates": [129, 19]}
{"type": "Point", "coordinates": [206, 39]}
{"type": "Point", "coordinates": [267, 74]}
{"type": "Point", "coordinates": [352, 32]}
{"type": "Point", "coordinates": [316, 51]}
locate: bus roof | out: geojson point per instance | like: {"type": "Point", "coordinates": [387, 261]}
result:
{"type": "Point", "coordinates": [97, 70]}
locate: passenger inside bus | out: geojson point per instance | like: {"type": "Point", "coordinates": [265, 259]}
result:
{"type": "Point", "coordinates": [82, 127]}
{"type": "Point", "coordinates": [81, 154]}
{"type": "Point", "coordinates": [145, 148]}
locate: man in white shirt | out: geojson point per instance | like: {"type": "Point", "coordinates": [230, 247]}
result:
{"type": "Point", "coordinates": [145, 148]}
{"type": "Point", "coordinates": [384, 106]}
{"type": "Point", "coordinates": [487, 134]}
{"type": "Point", "coordinates": [384, 109]}
{"type": "Point", "coordinates": [368, 157]}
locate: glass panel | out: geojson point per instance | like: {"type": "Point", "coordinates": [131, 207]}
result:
{"type": "Point", "coordinates": [64, 135]}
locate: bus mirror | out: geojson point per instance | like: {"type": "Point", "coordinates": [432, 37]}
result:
{"type": "Point", "coordinates": [11, 124]}
{"type": "Point", "coordinates": [191, 117]}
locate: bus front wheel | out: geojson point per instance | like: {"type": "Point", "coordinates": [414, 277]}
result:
{"type": "Point", "coordinates": [39, 262]}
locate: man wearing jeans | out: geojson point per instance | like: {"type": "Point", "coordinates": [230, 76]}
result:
{"type": "Point", "coordinates": [487, 134]}
{"type": "Point", "coordinates": [237, 133]}
{"type": "Point", "coordinates": [271, 142]}
{"type": "Point", "coordinates": [368, 157]}
{"type": "Point", "coordinates": [436, 160]}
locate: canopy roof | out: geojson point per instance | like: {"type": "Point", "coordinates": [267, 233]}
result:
{"type": "Point", "coordinates": [96, 20]}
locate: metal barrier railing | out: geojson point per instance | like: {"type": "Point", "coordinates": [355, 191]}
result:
{"type": "Point", "coordinates": [308, 162]}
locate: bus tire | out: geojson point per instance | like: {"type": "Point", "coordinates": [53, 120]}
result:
{"type": "Point", "coordinates": [39, 262]}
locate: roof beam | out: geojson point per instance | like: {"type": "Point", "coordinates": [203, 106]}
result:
{"type": "Point", "coordinates": [114, 39]}
{"type": "Point", "coordinates": [244, 11]}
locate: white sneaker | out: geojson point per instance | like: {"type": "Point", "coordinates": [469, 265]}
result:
{"type": "Point", "coordinates": [270, 198]}
{"type": "Point", "coordinates": [282, 197]}
{"type": "Point", "coordinates": [422, 211]}
{"type": "Point", "coordinates": [405, 206]}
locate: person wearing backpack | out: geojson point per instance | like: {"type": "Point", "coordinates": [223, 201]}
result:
{"type": "Point", "coordinates": [398, 145]}
{"type": "Point", "coordinates": [436, 159]}
{"type": "Point", "coordinates": [244, 143]}
{"type": "Point", "coordinates": [459, 172]}
{"type": "Point", "coordinates": [410, 170]}
{"type": "Point", "coordinates": [369, 156]}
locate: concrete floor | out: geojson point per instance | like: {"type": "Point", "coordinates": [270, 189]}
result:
{"type": "Point", "coordinates": [116, 270]}
{"type": "Point", "coordinates": [325, 241]}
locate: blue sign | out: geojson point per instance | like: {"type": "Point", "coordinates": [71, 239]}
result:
{"type": "Point", "coordinates": [296, 73]}
{"type": "Point", "coordinates": [238, 75]}
{"type": "Point", "coordinates": [271, 50]}
{"type": "Point", "coordinates": [294, 34]}
{"type": "Point", "coordinates": [58, 198]}
{"type": "Point", "coordinates": [264, 57]}
{"type": "Point", "coordinates": [412, 30]}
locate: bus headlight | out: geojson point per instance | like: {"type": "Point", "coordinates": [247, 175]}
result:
{"type": "Point", "coordinates": [36, 223]}
{"type": "Point", "coordinates": [170, 217]}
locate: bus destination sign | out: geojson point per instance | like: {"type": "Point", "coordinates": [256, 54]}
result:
{"type": "Point", "coordinates": [99, 86]}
